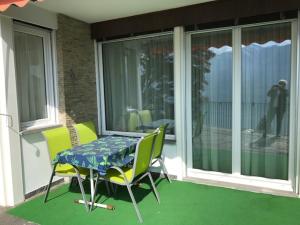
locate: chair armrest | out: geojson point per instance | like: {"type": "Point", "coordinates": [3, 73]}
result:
{"type": "Point", "coordinates": [121, 172]}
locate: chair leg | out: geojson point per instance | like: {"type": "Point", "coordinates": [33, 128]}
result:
{"type": "Point", "coordinates": [134, 204]}
{"type": "Point", "coordinates": [154, 188]}
{"type": "Point", "coordinates": [164, 169]}
{"type": "Point", "coordinates": [113, 188]}
{"type": "Point", "coordinates": [107, 187]}
{"type": "Point", "coordinates": [71, 183]}
{"type": "Point", "coordinates": [49, 185]}
{"type": "Point", "coordinates": [81, 189]}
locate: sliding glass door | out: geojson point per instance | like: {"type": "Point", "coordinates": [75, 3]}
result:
{"type": "Point", "coordinates": [247, 134]}
{"type": "Point", "coordinates": [266, 76]}
{"type": "Point", "coordinates": [211, 63]}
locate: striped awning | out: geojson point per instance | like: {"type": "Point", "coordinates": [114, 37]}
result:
{"type": "Point", "coordinates": [4, 4]}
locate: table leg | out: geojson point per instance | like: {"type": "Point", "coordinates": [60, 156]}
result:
{"type": "Point", "coordinates": [110, 207]}
{"type": "Point", "coordinates": [92, 184]}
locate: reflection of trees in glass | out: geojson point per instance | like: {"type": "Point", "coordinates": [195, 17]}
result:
{"type": "Point", "coordinates": [200, 67]}
{"type": "Point", "coordinates": [157, 82]}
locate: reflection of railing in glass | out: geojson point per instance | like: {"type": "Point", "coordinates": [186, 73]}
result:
{"type": "Point", "coordinates": [218, 114]}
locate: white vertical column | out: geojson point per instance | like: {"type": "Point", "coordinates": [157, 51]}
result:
{"type": "Point", "coordinates": [11, 190]}
{"type": "Point", "coordinates": [3, 121]}
{"type": "Point", "coordinates": [188, 99]}
{"type": "Point", "coordinates": [236, 102]}
{"type": "Point", "coordinates": [297, 135]}
{"type": "Point", "coordinates": [293, 108]}
{"type": "Point", "coordinates": [98, 61]}
{"type": "Point", "coordinates": [180, 109]}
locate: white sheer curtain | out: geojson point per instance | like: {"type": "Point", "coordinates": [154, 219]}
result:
{"type": "Point", "coordinates": [212, 100]}
{"type": "Point", "coordinates": [30, 69]}
{"type": "Point", "coordinates": [138, 75]}
{"type": "Point", "coordinates": [266, 72]}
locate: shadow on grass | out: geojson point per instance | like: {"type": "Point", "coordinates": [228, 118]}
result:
{"type": "Point", "coordinates": [51, 197]}
{"type": "Point", "coordinates": [140, 191]}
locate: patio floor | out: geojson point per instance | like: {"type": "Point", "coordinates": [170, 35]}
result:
{"type": "Point", "coordinates": [181, 203]}
{"type": "Point", "coordinates": [6, 219]}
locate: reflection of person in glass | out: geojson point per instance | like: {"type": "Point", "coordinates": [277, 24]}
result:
{"type": "Point", "coordinates": [277, 106]}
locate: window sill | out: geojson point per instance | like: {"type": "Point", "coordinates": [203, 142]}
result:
{"type": "Point", "coordinates": [169, 137]}
{"type": "Point", "coordinates": [37, 129]}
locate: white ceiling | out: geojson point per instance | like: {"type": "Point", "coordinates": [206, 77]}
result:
{"type": "Point", "coordinates": [92, 11]}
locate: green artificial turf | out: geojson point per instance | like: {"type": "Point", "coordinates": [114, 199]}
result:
{"type": "Point", "coordinates": [182, 203]}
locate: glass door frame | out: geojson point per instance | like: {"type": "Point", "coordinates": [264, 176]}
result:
{"type": "Point", "coordinates": [236, 176]}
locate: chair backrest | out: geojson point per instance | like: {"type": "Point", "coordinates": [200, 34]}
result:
{"type": "Point", "coordinates": [86, 132]}
{"type": "Point", "coordinates": [159, 142]}
{"type": "Point", "coordinates": [138, 118]}
{"type": "Point", "coordinates": [145, 116]}
{"type": "Point", "coordinates": [143, 154]}
{"type": "Point", "coordinates": [58, 140]}
{"type": "Point", "coordinates": [133, 122]}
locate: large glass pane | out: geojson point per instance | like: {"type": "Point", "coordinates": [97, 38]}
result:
{"type": "Point", "coordinates": [266, 73]}
{"type": "Point", "coordinates": [139, 84]}
{"type": "Point", "coordinates": [30, 69]}
{"type": "Point", "coordinates": [212, 100]}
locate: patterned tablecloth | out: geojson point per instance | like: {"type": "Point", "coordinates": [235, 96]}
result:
{"type": "Point", "coordinates": [100, 154]}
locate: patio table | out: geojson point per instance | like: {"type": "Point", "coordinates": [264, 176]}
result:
{"type": "Point", "coordinates": [100, 155]}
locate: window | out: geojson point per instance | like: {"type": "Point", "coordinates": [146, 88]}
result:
{"type": "Point", "coordinates": [138, 84]}
{"type": "Point", "coordinates": [34, 75]}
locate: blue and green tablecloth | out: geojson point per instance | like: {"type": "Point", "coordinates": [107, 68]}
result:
{"type": "Point", "coordinates": [101, 154]}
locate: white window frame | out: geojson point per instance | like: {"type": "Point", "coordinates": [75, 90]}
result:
{"type": "Point", "coordinates": [100, 87]}
{"type": "Point", "coordinates": [236, 177]}
{"type": "Point", "coordinates": [48, 37]}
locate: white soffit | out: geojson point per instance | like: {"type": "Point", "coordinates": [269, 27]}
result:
{"type": "Point", "coordinates": [92, 11]}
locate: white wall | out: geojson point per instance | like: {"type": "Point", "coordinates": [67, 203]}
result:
{"type": "Point", "coordinates": [170, 160]}
{"type": "Point", "coordinates": [33, 15]}
{"type": "Point", "coordinates": [36, 162]}
{"type": "Point", "coordinates": [24, 165]}
{"type": "Point", "coordinates": [10, 155]}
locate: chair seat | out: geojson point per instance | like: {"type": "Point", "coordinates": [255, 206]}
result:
{"type": "Point", "coordinates": [68, 170]}
{"type": "Point", "coordinates": [115, 176]}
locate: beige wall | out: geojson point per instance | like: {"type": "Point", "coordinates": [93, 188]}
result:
{"type": "Point", "coordinates": [76, 72]}
{"type": "Point", "coordinates": [76, 96]}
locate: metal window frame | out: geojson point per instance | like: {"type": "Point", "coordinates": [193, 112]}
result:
{"type": "Point", "coordinates": [100, 87]}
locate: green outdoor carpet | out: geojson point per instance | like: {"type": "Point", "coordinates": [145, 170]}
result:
{"type": "Point", "coordinates": [182, 203]}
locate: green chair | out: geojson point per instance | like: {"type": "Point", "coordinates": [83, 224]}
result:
{"type": "Point", "coordinates": [138, 119]}
{"type": "Point", "coordinates": [129, 176]}
{"type": "Point", "coordinates": [145, 116]}
{"type": "Point", "coordinates": [58, 140]}
{"type": "Point", "coordinates": [133, 122]}
{"type": "Point", "coordinates": [158, 148]}
{"type": "Point", "coordinates": [86, 132]}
